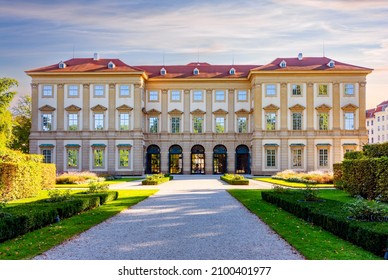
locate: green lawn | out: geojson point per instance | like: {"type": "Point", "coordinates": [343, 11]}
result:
{"type": "Point", "coordinates": [110, 182]}
{"type": "Point", "coordinates": [33, 243]}
{"type": "Point", "coordinates": [311, 241]}
{"type": "Point", "coordinates": [291, 184]}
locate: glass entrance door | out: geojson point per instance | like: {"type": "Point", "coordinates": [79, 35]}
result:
{"type": "Point", "coordinates": [175, 160]}
{"type": "Point", "coordinates": [198, 160]}
{"type": "Point", "coordinates": [220, 160]}
{"type": "Point", "coordinates": [242, 160]}
{"type": "Point", "coordinates": [153, 160]}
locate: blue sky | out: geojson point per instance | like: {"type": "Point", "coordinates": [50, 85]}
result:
{"type": "Point", "coordinates": [39, 33]}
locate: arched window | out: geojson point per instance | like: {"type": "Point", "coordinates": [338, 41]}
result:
{"type": "Point", "coordinates": [175, 160]}
{"type": "Point", "coordinates": [153, 159]}
{"type": "Point", "coordinates": [197, 159]}
{"type": "Point", "coordinates": [220, 159]}
{"type": "Point", "coordinates": [242, 160]}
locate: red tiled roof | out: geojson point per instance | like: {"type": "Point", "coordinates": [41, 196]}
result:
{"type": "Point", "coordinates": [308, 63]}
{"type": "Point", "coordinates": [205, 70]}
{"type": "Point", "coordinates": [370, 113]}
{"type": "Point", "coordinates": [88, 65]}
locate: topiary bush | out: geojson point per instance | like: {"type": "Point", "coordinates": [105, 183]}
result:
{"type": "Point", "coordinates": [156, 179]}
{"type": "Point", "coordinates": [234, 179]}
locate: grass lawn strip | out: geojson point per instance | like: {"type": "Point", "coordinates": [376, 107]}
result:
{"type": "Point", "coordinates": [34, 243]}
{"type": "Point", "coordinates": [110, 182]}
{"type": "Point", "coordinates": [292, 184]}
{"type": "Point", "coordinates": [311, 241]}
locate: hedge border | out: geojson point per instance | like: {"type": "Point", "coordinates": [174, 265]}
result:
{"type": "Point", "coordinates": [234, 182]}
{"type": "Point", "coordinates": [373, 241]}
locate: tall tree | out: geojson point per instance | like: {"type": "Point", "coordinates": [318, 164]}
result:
{"type": "Point", "coordinates": [22, 124]}
{"type": "Point", "coordinates": [6, 121]}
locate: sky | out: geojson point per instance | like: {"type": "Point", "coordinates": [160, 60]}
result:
{"type": "Point", "coordinates": [37, 33]}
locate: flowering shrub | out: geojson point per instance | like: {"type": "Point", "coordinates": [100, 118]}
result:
{"type": "Point", "coordinates": [78, 178]}
{"type": "Point", "coordinates": [313, 177]}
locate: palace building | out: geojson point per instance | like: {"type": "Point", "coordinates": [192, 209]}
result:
{"type": "Point", "coordinates": [105, 116]}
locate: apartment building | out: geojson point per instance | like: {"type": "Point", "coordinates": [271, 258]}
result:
{"type": "Point", "coordinates": [377, 123]}
{"type": "Point", "coordinates": [299, 113]}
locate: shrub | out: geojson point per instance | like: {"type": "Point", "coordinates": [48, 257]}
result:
{"type": "Point", "coordinates": [337, 175]}
{"type": "Point", "coordinates": [48, 175]}
{"type": "Point", "coordinates": [328, 215]}
{"type": "Point", "coordinates": [376, 150]}
{"type": "Point", "coordinates": [234, 179]}
{"type": "Point", "coordinates": [78, 178]}
{"type": "Point", "coordinates": [156, 179]}
{"type": "Point", "coordinates": [354, 155]}
{"type": "Point", "coordinates": [313, 177]}
{"type": "Point", "coordinates": [364, 211]}
{"type": "Point", "coordinates": [310, 194]}
{"type": "Point", "coordinates": [104, 196]}
{"type": "Point", "coordinates": [95, 187]}
{"type": "Point", "coordinates": [57, 195]}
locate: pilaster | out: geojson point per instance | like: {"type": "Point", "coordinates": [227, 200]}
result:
{"type": "Point", "coordinates": [310, 150]}
{"type": "Point", "coordinates": [61, 156]}
{"type": "Point", "coordinates": [209, 113]}
{"type": "Point", "coordinates": [164, 115]}
{"type": "Point", "coordinates": [112, 107]}
{"type": "Point", "coordinates": [310, 106]}
{"type": "Point", "coordinates": [86, 107]}
{"type": "Point", "coordinates": [186, 111]}
{"type": "Point", "coordinates": [85, 156]}
{"type": "Point", "coordinates": [257, 106]}
{"type": "Point", "coordinates": [231, 115]}
{"type": "Point", "coordinates": [111, 150]}
{"type": "Point", "coordinates": [283, 107]}
{"type": "Point", "coordinates": [362, 107]}
{"type": "Point", "coordinates": [60, 107]}
{"type": "Point", "coordinates": [34, 107]}
{"type": "Point", "coordinates": [336, 107]}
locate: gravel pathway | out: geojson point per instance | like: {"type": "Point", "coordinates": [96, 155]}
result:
{"type": "Point", "coordinates": [185, 220]}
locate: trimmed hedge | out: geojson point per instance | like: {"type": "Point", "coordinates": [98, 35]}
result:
{"type": "Point", "coordinates": [364, 234]}
{"type": "Point", "coordinates": [18, 220]}
{"type": "Point", "coordinates": [232, 180]}
{"type": "Point", "coordinates": [376, 150]}
{"type": "Point", "coordinates": [49, 175]}
{"type": "Point", "coordinates": [156, 179]}
{"type": "Point", "coordinates": [337, 175]}
{"type": "Point", "coordinates": [354, 155]}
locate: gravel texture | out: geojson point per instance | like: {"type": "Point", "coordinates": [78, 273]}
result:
{"type": "Point", "coordinates": [185, 220]}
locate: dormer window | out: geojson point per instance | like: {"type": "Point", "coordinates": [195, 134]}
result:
{"type": "Point", "coordinates": [163, 72]}
{"type": "Point", "coordinates": [196, 71]}
{"type": "Point", "coordinates": [331, 64]}
{"type": "Point", "coordinates": [283, 64]}
{"type": "Point", "coordinates": [111, 65]}
{"type": "Point", "coordinates": [232, 71]}
{"type": "Point", "coordinates": [62, 65]}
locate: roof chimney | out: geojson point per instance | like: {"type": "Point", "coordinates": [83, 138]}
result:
{"type": "Point", "coordinates": [96, 56]}
{"type": "Point", "coordinates": [300, 56]}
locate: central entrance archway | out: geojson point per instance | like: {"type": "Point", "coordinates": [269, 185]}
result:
{"type": "Point", "coordinates": [197, 159]}
{"type": "Point", "coordinates": [220, 155]}
{"type": "Point", "coordinates": [175, 159]}
{"type": "Point", "coordinates": [242, 160]}
{"type": "Point", "coordinates": [153, 160]}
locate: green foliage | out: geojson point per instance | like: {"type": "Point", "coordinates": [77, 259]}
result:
{"type": "Point", "coordinates": [376, 150]}
{"type": "Point", "coordinates": [279, 189]}
{"type": "Point", "coordinates": [22, 124]}
{"type": "Point", "coordinates": [382, 179]}
{"type": "Point", "coordinates": [362, 210]}
{"type": "Point", "coordinates": [330, 215]}
{"type": "Point", "coordinates": [354, 155]}
{"type": "Point", "coordinates": [78, 178]}
{"type": "Point", "coordinates": [6, 121]}
{"type": "Point", "coordinates": [49, 175]}
{"type": "Point", "coordinates": [337, 177]}
{"type": "Point", "coordinates": [234, 179]}
{"type": "Point", "coordinates": [310, 194]}
{"type": "Point", "coordinates": [156, 179]}
{"type": "Point", "coordinates": [58, 195]}
{"type": "Point", "coordinates": [95, 187]}
{"type": "Point", "coordinates": [105, 197]}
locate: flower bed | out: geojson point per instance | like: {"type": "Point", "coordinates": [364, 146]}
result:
{"type": "Point", "coordinates": [234, 179]}
{"type": "Point", "coordinates": [313, 177]}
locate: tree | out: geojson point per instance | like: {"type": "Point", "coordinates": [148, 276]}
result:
{"type": "Point", "coordinates": [22, 124]}
{"type": "Point", "coordinates": [6, 121]}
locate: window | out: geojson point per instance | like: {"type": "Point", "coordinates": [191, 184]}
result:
{"type": "Point", "coordinates": [270, 121]}
{"type": "Point", "coordinates": [73, 121]}
{"type": "Point", "coordinates": [175, 95]}
{"type": "Point", "coordinates": [296, 121]}
{"type": "Point", "coordinates": [47, 122]}
{"type": "Point", "coordinates": [378, 119]}
{"type": "Point", "coordinates": [98, 158]}
{"type": "Point", "coordinates": [220, 125]}
{"type": "Point", "coordinates": [382, 118]}
{"type": "Point", "coordinates": [296, 157]}
{"type": "Point", "coordinates": [323, 121]}
{"type": "Point", "coordinates": [242, 125]}
{"type": "Point", "coordinates": [198, 95]}
{"type": "Point", "coordinates": [47, 91]}
{"type": "Point", "coordinates": [47, 155]}
{"type": "Point", "coordinates": [196, 71]}
{"type": "Point", "coordinates": [296, 90]}
{"type": "Point", "coordinates": [349, 89]}
{"type": "Point", "coordinates": [198, 125]}
{"type": "Point", "coordinates": [349, 121]}
{"type": "Point", "coordinates": [72, 158]}
{"type": "Point", "coordinates": [99, 91]}
{"type": "Point", "coordinates": [242, 95]}
{"type": "Point", "coordinates": [124, 90]}
{"type": "Point", "coordinates": [154, 125]}
{"type": "Point", "coordinates": [232, 71]}
{"type": "Point", "coordinates": [271, 157]}
{"type": "Point", "coordinates": [323, 158]}
{"type": "Point", "coordinates": [220, 95]}
{"type": "Point", "coordinates": [322, 90]}
{"type": "Point", "coordinates": [367, 123]}
{"type": "Point", "coordinates": [98, 121]}
{"type": "Point", "coordinates": [153, 96]}
{"type": "Point", "coordinates": [378, 128]}
{"type": "Point", "coordinates": [163, 72]}
{"type": "Point", "coordinates": [73, 91]}
{"type": "Point", "coordinates": [378, 138]}
{"type": "Point", "coordinates": [124, 157]}
{"type": "Point", "coordinates": [124, 121]}
{"type": "Point", "coordinates": [270, 90]}
{"type": "Point", "coordinates": [175, 124]}
{"type": "Point", "coordinates": [371, 122]}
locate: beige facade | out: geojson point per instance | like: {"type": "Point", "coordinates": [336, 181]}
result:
{"type": "Point", "coordinates": [197, 118]}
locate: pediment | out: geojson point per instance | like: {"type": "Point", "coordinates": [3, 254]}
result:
{"type": "Point", "coordinates": [220, 112]}
{"type": "Point", "coordinates": [323, 108]}
{"type": "Point", "coordinates": [124, 107]}
{"type": "Point", "coordinates": [271, 107]}
{"type": "Point", "coordinates": [47, 108]}
{"type": "Point", "coordinates": [73, 108]}
{"type": "Point", "coordinates": [242, 112]}
{"type": "Point", "coordinates": [98, 108]}
{"type": "Point", "coordinates": [198, 112]}
{"type": "Point", "coordinates": [297, 108]}
{"type": "Point", "coordinates": [349, 108]}
{"type": "Point", "coordinates": [153, 112]}
{"type": "Point", "coordinates": [175, 112]}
